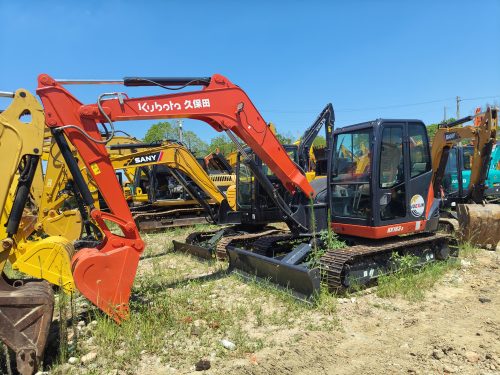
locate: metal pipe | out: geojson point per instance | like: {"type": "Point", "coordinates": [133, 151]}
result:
{"type": "Point", "coordinates": [139, 81]}
{"type": "Point", "coordinates": [166, 81]}
{"type": "Point", "coordinates": [127, 146]}
{"type": "Point", "coordinates": [461, 121]}
{"type": "Point", "coordinates": [238, 145]}
{"type": "Point", "coordinates": [64, 81]}
{"type": "Point", "coordinates": [6, 94]}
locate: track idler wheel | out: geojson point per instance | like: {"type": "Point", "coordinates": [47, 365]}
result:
{"type": "Point", "coordinates": [442, 252]}
{"type": "Point", "coordinates": [25, 317]}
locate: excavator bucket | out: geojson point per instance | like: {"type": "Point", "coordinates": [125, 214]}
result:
{"type": "Point", "coordinates": [301, 281]}
{"type": "Point", "coordinates": [48, 258]}
{"type": "Point", "coordinates": [106, 278]}
{"type": "Point", "coordinates": [25, 317]}
{"type": "Point", "coordinates": [479, 224]}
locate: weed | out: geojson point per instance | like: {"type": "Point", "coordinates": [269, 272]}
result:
{"type": "Point", "coordinates": [467, 250]}
{"type": "Point", "coordinates": [181, 308]}
{"type": "Point", "coordinates": [409, 281]}
{"type": "Point", "coordinates": [330, 241]}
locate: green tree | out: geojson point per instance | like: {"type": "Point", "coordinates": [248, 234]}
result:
{"type": "Point", "coordinates": [285, 139]}
{"type": "Point", "coordinates": [160, 131]}
{"type": "Point", "coordinates": [223, 143]}
{"type": "Point", "coordinates": [319, 141]}
{"type": "Point", "coordinates": [165, 130]}
{"type": "Point", "coordinates": [194, 143]}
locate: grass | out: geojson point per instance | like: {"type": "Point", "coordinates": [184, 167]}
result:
{"type": "Point", "coordinates": [181, 309]}
{"type": "Point", "coordinates": [411, 282]}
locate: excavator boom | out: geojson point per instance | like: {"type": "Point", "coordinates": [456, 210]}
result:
{"type": "Point", "coordinates": [105, 274]}
{"type": "Point", "coordinates": [221, 104]}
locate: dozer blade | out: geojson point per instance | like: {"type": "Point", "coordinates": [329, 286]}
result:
{"type": "Point", "coordinates": [299, 280]}
{"type": "Point", "coordinates": [479, 224]}
{"type": "Point", "coordinates": [47, 259]}
{"type": "Point", "coordinates": [196, 250]}
{"type": "Point", "coordinates": [25, 317]}
{"type": "Point", "coordinates": [105, 277]}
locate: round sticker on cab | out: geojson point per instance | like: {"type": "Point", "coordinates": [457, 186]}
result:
{"type": "Point", "coordinates": [417, 205]}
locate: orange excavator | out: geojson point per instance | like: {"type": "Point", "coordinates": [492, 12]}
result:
{"type": "Point", "coordinates": [105, 274]}
{"type": "Point", "coordinates": [392, 197]}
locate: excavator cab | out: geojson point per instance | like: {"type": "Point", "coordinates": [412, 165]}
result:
{"type": "Point", "coordinates": [380, 178]}
{"type": "Point", "coordinates": [378, 187]}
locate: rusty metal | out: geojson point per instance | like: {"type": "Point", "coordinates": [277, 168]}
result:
{"type": "Point", "coordinates": [479, 224]}
{"type": "Point", "coordinates": [25, 317]}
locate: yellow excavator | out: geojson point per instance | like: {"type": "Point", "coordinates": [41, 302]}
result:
{"type": "Point", "coordinates": [473, 220]}
{"type": "Point", "coordinates": [26, 306]}
{"type": "Point", "coordinates": [163, 173]}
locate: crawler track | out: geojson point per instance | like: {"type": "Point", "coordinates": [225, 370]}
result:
{"type": "Point", "coordinates": [180, 217]}
{"type": "Point", "coordinates": [365, 261]}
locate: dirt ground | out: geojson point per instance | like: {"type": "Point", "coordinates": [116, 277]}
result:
{"type": "Point", "coordinates": [456, 329]}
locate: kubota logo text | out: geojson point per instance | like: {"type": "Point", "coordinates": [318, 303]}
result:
{"type": "Point", "coordinates": [173, 106]}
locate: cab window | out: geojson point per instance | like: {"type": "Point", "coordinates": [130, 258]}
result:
{"type": "Point", "coordinates": [391, 157]}
{"type": "Point", "coordinates": [351, 172]}
{"type": "Point", "coordinates": [420, 159]}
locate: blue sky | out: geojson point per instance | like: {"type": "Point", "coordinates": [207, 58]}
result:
{"type": "Point", "coordinates": [392, 59]}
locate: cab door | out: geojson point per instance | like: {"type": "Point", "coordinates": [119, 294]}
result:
{"type": "Point", "coordinates": [391, 191]}
{"type": "Point", "coordinates": [419, 172]}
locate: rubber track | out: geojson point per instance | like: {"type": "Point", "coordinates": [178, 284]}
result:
{"type": "Point", "coordinates": [334, 263]}
{"type": "Point", "coordinates": [221, 252]}
{"type": "Point", "coordinates": [263, 244]}
{"type": "Point", "coordinates": [145, 217]}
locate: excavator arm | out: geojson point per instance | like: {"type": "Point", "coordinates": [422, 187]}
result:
{"type": "Point", "coordinates": [483, 135]}
{"type": "Point", "coordinates": [478, 223]}
{"type": "Point", "coordinates": [221, 104]}
{"type": "Point", "coordinates": [326, 118]}
{"type": "Point", "coordinates": [105, 274]}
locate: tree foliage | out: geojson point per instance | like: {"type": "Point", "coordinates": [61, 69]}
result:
{"type": "Point", "coordinates": [285, 138]}
{"type": "Point", "coordinates": [221, 143]}
{"type": "Point", "coordinates": [432, 128]}
{"type": "Point", "coordinates": [160, 131]}
{"type": "Point", "coordinates": [319, 141]}
{"type": "Point", "coordinates": [194, 143]}
{"type": "Point", "coordinates": [165, 130]}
